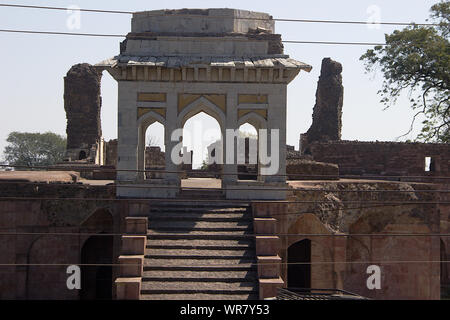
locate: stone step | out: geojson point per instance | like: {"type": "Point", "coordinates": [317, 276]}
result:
{"type": "Point", "coordinates": [217, 245]}
{"type": "Point", "coordinates": [200, 253]}
{"type": "Point", "coordinates": [200, 235]}
{"type": "Point", "coordinates": [199, 225]}
{"type": "Point", "coordinates": [197, 261]}
{"type": "Point", "coordinates": [199, 250]}
{"type": "Point", "coordinates": [193, 208]}
{"type": "Point", "coordinates": [200, 216]}
{"type": "Point", "coordinates": [247, 267]}
{"type": "Point", "coordinates": [226, 276]}
{"type": "Point", "coordinates": [199, 296]}
{"type": "Point", "coordinates": [198, 204]}
{"type": "Point", "coordinates": [161, 287]}
{"type": "Point", "coordinates": [177, 209]}
{"type": "Point", "coordinates": [202, 194]}
{"type": "Point", "coordinates": [185, 243]}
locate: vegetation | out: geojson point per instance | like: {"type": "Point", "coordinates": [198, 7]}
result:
{"type": "Point", "coordinates": [34, 149]}
{"type": "Point", "coordinates": [417, 60]}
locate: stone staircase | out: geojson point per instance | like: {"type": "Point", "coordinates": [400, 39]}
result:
{"type": "Point", "coordinates": [199, 250]}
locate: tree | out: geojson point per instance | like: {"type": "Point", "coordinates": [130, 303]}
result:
{"type": "Point", "coordinates": [417, 60]}
{"type": "Point", "coordinates": [34, 149]}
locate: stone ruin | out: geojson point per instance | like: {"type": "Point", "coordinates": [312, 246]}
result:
{"type": "Point", "coordinates": [320, 210]}
{"type": "Point", "coordinates": [82, 103]}
{"type": "Point", "coordinates": [327, 112]}
{"type": "Point", "coordinates": [322, 142]}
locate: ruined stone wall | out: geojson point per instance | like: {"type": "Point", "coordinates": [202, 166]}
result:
{"type": "Point", "coordinates": [154, 157]}
{"type": "Point", "coordinates": [111, 153]}
{"type": "Point", "coordinates": [338, 216]}
{"type": "Point", "coordinates": [29, 222]}
{"type": "Point", "coordinates": [82, 103]}
{"type": "Point", "coordinates": [383, 158]}
{"type": "Point", "coordinates": [303, 169]}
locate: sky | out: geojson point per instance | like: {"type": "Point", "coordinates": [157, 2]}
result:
{"type": "Point", "coordinates": [33, 66]}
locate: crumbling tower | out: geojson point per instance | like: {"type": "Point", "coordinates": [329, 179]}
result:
{"type": "Point", "coordinates": [327, 114]}
{"type": "Point", "coordinates": [82, 102]}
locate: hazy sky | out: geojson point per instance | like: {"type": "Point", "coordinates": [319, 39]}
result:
{"type": "Point", "coordinates": [33, 66]}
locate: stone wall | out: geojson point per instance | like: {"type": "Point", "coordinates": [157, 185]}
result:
{"type": "Point", "coordinates": [111, 153]}
{"type": "Point", "coordinates": [303, 169]}
{"type": "Point", "coordinates": [154, 157]}
{"type": "Point", "coordinates": [383, 158]}
{"type": "Point", "coordinates": [342, 225]}
{"type": "Point", "coordinates": [49, 229]}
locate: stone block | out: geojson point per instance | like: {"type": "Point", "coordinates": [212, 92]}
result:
{"type": "Point", "coordinates": [136, 225]}
{"type": "Point", "coordinates": [268, 288]}
{"type": "Point", "coordinates": [269, 266]}
{"type": "Point", "coordinates": [133, 245]}
{"type": "Point", "coordinates": [131, 266]}
{"type": "Point", "coordinates": [264, 226]}
{"type": "Point", "coordinates": [267, 245]}
{"type": "Point", "coordinates": [128, 288]}
{"type": "Point", "coordinates": [268, 210]}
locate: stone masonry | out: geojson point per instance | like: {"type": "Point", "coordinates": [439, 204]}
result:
{"type": "Point", "coordinates": [82, 102]}
{"type": "Point", "coordinates": [327, 112]}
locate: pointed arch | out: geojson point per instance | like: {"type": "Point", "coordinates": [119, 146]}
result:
{"type": "Point", "coordinates": [253, 118]}
{"type": "Point", "coordinates": [202, 105]}
{"type": "Point", "coordinates": [143, 123]}
{"type": "Point", "coordinates": [149, 118]}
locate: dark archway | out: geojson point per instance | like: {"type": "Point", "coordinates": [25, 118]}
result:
{"type": "Point", "coordinates": [96, 278]}
{"type": "Point", "coordinates": [299, 264]}
{"type": "Point", "coordinates": [82, 155]}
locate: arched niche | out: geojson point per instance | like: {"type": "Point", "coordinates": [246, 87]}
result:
{"type": "Point", "coordinates": [299, 265]}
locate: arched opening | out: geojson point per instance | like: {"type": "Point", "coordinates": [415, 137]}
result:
{"type": "Point", "coordinates": [249, 149]}
{"type": "Point", "coordinates": [299, 265]}
{"type": "Point", "coordinates": [202, 137]}
{"type": "Point", "coordinates": [154, 157]}
{"type": "Point", "coordinates": [82, 155]}
{"type": "Point", "coordinates": [97, 257]}
{"type": "Point", "coordinates": [96, 276]}
{"type": "Point", "coordinates": [109, 114]}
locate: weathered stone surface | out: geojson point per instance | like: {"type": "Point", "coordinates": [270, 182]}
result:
{"type": "Point", "coordinates": [327, 112]}
{"type": "Point", "coordinates": [384, 158]}
{"type": "Point", "coordinates": [329, 210]}
{"type": "Point", "coordinates": [82, 102]}
{"type": "Point", "coordinates": [111, 153]}
{"type": "Point", "coordinates": [303, 169]}
{"type": "Point", "coordinates": [40, 176]}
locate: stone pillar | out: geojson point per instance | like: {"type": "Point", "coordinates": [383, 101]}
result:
{"type": "Point", "coordinates": [230, 170]}
{"type": "Point", "coordinates": [171, 125]}
{"type": "Point", "coordinates": [127, 145]}
{"type": "Point", "coordinates": [82, 103]}
{"type": "Point", "coordinates": [141, 153]}
{"type": "Point", "coordinates": [277, 120]}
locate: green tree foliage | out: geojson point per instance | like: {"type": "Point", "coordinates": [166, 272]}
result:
{"type": "Point", "coordinates": [34, 149]}
{"type": "Point", "coordinates": [417, 60]}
